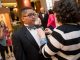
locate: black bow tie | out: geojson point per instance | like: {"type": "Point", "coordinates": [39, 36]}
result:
{"type": "Point", "coordinates": [31, 27]}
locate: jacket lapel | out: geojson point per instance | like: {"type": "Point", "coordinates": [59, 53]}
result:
{"type": "Point", "coordinates": [30, 38]}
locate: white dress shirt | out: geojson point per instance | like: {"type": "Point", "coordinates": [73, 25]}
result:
{"type": "Point", "coordinates": [35, 35]}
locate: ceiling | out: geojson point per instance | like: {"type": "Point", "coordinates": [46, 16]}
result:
{"type": "Point", "coordinates": [12, 1]}
{"type": "Point", "coordinates": [8, 1]}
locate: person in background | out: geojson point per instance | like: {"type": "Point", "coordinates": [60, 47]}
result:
{"type": "Point", "coordinates": [26, 42]}
{"type": "Point", "coordinates": [43, 16]}
{"type": "Point", "coordinates": [9, 44]}
{"type": "Point", "coordinates": [38, 22]}
{"type": "Point", "coordinates": [2, 39]}
{"type": "Point", "coordinates": [63, 42]}
{"type": "Point", "coordinates": [51, 20]}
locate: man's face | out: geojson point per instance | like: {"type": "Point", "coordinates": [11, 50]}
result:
{"type": "Point", "coordinates": [29, 17]}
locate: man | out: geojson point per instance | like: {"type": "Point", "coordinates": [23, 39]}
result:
{"type": "Point", "coordinates": [25, 40]}
{"type": "Point", "coordinates": [43, 16]}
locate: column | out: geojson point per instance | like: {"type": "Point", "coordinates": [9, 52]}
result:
{"type": "Point", "coordinates": [37, 6]}
{"type": "Point", "coordinates": [23, 3]}
{"type": "Point", "coordinates": [43, 4]}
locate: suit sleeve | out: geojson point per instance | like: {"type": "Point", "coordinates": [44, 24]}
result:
{"type": "Point", "coordinates": [17, 48]}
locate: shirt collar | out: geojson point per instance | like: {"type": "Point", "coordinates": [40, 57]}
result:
{"type": "Point", "coordinates": [26, 25]}
{"type": "Point", "coordinates": [29, 27]}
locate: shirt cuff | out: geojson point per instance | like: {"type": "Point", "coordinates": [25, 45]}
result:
{"type": "Point", "coordinates": [43, 41]}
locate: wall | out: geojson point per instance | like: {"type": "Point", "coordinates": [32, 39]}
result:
{"type": "Point", "coordinates": [54, 1]}
{"type": "Point", "coordinates": [43, 4]}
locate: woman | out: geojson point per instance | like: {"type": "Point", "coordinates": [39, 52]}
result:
{"type": "Point", "coordinates": [51, 20]}
{"type": "Point", "coordinates": [64, 41]}
{"type": "Point", "coordinates": [2, 40]}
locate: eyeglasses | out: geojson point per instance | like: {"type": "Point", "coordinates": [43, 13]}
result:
{"type": "Point", "coordinates": [32, 14]}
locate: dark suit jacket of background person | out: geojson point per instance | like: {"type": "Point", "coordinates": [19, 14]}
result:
{"type": "Point", "coordinates": [44, 19]}
{"type": "Point", "coordinates": [27, 47]}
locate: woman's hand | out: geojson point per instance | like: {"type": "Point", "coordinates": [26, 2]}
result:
{"type": "Point", "coordinates": [48, 31]}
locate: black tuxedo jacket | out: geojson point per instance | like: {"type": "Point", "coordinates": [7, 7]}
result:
{"type": "Point", "coordinates": [25, 46]}
{"type": "Point", "coordinates": [44, 19]}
